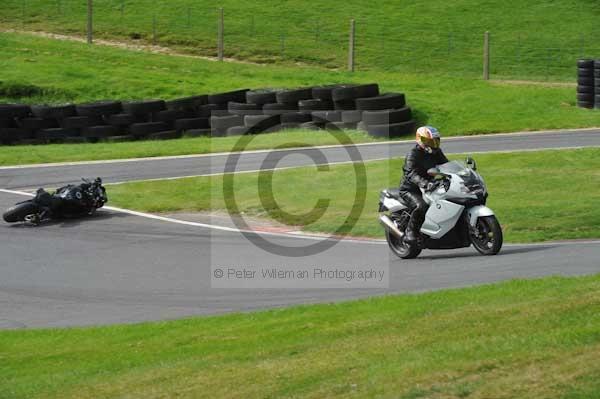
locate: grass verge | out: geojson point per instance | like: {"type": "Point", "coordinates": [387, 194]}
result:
{"type": "Point", "coordinates": [526, 339]}
{"type": "Point", "coordinates": [424, 35]}
{"type": "Point", "coordinates": [36, 70]}
{"type": "Point", "coordinates": [531, 192]}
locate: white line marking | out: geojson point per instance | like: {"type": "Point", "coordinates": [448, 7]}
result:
{"type": "Point", "coordinates": [218, 154]}
{"type": "Point", "coordinates": [298, 234]}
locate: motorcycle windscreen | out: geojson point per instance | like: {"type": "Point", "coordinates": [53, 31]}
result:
{"type": "Point", "coordinates": [441, 218]}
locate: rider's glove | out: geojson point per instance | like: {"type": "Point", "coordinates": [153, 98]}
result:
{"type": "Point", "coordinates": [431, 186]}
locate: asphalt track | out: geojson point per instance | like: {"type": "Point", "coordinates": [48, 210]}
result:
{"type": "Point", "coordinates": [120, 268]}
{"type": "Point", "coordinates": [119, 171]}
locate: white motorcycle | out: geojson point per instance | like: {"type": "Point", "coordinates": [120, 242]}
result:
{"type": "Point", "coordinates": [457, 216]}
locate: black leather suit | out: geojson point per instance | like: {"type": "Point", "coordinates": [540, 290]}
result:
{"type": "Point", "coordinates": [416, 164]}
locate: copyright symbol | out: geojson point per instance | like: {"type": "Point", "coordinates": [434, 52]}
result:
{"type": "Point", "coordinates": [218, 273]}
{"type": "Point", "coordinates": [267, 197]}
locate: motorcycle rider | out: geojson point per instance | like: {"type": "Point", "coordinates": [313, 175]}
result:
{"type": "Point", "coordinates": [425, 155]}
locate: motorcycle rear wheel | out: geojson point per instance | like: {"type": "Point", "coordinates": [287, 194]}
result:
{"type": "Point", "coordinates": [18, 212]}
{"type": "Point", "coordinates": [400, 248]}
{"type": "Point", "coordinates": [490, 240]}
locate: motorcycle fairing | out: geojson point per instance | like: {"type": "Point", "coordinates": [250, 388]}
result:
{"type": "Point", "coordinates": [446, 213]}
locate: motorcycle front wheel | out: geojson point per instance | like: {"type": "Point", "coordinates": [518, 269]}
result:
{"type": "Point", "coordinates": [401, 248]}
{"type": "Point", "coordinates": [18, 212]}
{"type": "Point", "coordinates": [488, 238]}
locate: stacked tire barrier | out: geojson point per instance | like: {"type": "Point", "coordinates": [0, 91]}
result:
{"type": "Point", "coordinates": [588, 83]}
{"type": "Point", "coordinates": [341, 106]}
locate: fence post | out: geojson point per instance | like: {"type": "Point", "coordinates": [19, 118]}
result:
{"type": "Point", "coordinates": [90, 10]}
{"type": "Point", "coordinates": [486, 56]}
{"type": "Point", "coordinates": [154, 41]}
{"type": "Point", "coordinates": [220, 35]}
{"type": "Point", "coordinates": [351, 43]}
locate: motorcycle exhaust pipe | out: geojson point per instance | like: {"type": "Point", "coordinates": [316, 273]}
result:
{"type": "Point", "coordinates": [387, 223]}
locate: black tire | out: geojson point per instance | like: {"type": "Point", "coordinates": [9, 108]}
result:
{"type": "Point", "coordinates": [238, 96]}
{"type": "Point", "coordinates": [385, 101]}
{"type": "Point", "coordinates": [261, 123]}
{"type": "Point", "coordinates": [123, 119]}
{"type": "Point", "coordinates": [352, 116]}
{"type": "Point", "coordinates": [400, 248]}
{"type": "Point", "coordinates": [38, 123]}
{"type": "Point", "coordinates": [293, 96]}
{"type": "Point", "coordinates": [585, 72]}
{"type": "Point", "coordinates": [191, 123]}
{"type": "Point", "coordinates": [225, 122]}
{"type": "Point", "coordinates": [11, 111]}
{"type": "Point", "coordinates": [327, 116]}
{"type": "Point", "coordinates": [9, 135]}
{"type": "Point", "coordinates": [261, 97]}
{"type": "Point", "coordinates": [392, 130]}
{"type": "Point", "coordinates": [585, 63]}
{"type": "Point", "coordinates": [388, 116]}
{"type": "Point", "coordinates": [99, 108]}
{"type": "Point", "coordinates": [143, 107]}
{"type": "Point", "coordinates": [54, 112]}
{"type": "Point", "coordinates": [171, 115]}
{"type": "Point", "coordinates": [10, 122]}
{"type": "Point", "coordinates": [279, 108]}
{"type": "Point", "coordinates": [167, 135]}
{"type": "Point", "coordinates": [244, 108]}
{"type": "Point", "coordinates": [585, 89]}
{"type": "Point", "coordinates": [79, 122]}
{"type": "Point", "coordinates": [585, 81]}
{"type": "Point", "coordinates": [98, 132]}
{"type": "Point", "coordinates": [289, 126]}
{"type": "Point", "coordinates": [354, 92]}
{"type": "Point", "coordinates": [187, 103]}
{"type": "Point", "coordinates": [325, 92]}
{"type": "Point", "coordinates": [208, 110]}
{"type": "Point", "coordinates": [315, 105]}
{"type": "Point", "coordinates": [585, 104]}
{"type": "Point", "coordinates": [310, 126]}
{"type": "Point", "coordinates": [56, 133]}
{"type": "Point", "coordinates": [346, 105]}
{"type": "Point", "coordinates": [490, 240]}
{"type": "Point", "coordinates": [585, 97]}
{"type": "Point", "coordinates": [144, 129]}
{"type": "Point", "coordinates": [296, 117]}
{"type": "Point", "coordinates": [237, 131]}
{"type": "Point", "coordinates": [18, 212]}
{"type": "Point", "coordinates": [597, 74]}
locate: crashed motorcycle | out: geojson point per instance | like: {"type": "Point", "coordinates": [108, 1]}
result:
{"type": "Point", "coordinates": [456, 218]}
{"type": "Point", "coordinates": [70, 201]}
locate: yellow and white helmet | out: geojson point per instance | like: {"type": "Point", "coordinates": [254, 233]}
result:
{"type": "Point", "coordinates": [428, 138]}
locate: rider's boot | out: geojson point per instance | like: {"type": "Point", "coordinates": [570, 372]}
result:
{"type": "Point", "coordinates": [411, 233]}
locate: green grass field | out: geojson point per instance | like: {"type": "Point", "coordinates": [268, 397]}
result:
{"type": "Point", "coordinates": [530, 39]}
{"type": "Point", "coordinates": [35, 70]}
{"type": "Point", "coordinates": [534, 339]}
{"type": "Point", "coordinates": [532, 193]}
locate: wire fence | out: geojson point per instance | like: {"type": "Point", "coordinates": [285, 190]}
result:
{"type": "Point", "coordinates": [322, 40]}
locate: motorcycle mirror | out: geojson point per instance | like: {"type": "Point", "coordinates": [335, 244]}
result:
{"type": "Point", "coordinates": [471, 163]}
{"type": "Point", "coordinates": [433, 172]}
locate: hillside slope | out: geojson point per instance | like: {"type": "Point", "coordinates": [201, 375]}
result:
{"type": "Point", "coordinates": [530, 39]}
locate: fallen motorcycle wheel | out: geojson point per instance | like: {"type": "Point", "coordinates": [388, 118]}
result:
{"type": "Point", "coordinates": [400, 248]}
{"type": "Point", "coordinates": [487, 239]}
{"type": "Point", "coordinates": [18, 212]}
